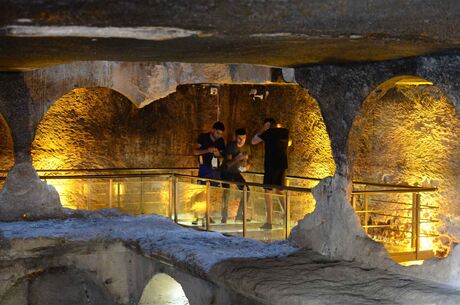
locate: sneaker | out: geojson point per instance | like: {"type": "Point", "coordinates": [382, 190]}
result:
{"type": "Point", "coordinates": [267, 226]}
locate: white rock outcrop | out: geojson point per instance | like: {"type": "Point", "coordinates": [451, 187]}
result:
{"type": "Point", "coordinates": [25, 196]}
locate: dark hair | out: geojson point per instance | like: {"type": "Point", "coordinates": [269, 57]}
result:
{"type": "Point", "coordinates": [219, 126]}
{"type": "Point", "coordinates": [240, 132]}
{"type": "Point", "coordinates": [271, 121]}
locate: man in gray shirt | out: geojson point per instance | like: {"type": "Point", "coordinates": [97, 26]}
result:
{"type": "Point", "coordinates": [236, 160]}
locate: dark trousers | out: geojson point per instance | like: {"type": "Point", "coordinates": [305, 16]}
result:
{"type": "Point", "coordinates": [234, 177]}
{"type": "Point", "coordinates": [206, 171]}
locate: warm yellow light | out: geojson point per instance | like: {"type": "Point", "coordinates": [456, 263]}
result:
{"type": "Point", "coordinates": [413, 82]}
{"type": "Point", "coordinates": [411, 263]}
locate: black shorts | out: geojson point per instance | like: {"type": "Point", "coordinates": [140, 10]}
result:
{"type": "Point", "coordinates": [274, 176]}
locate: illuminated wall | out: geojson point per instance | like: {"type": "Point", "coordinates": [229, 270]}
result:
{"type": "Point", "coordinates": [411, 135]}
{"type": "Point", "coordinates": [99, 128]}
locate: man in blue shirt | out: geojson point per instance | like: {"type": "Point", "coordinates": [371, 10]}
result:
{"type": "Point", "coordinates": [210, 149]}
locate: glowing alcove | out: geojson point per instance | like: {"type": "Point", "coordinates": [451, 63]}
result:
{"type": "Point", "coordinates": [163, 290]}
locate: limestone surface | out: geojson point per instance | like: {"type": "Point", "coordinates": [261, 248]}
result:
{"type": "Point", "coordinates": [263, 273]}
{"type": "Point", "coordinates": [25, 196]}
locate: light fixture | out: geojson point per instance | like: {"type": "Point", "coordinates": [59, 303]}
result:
{"type": "Point", "coordinates": [254, 95]}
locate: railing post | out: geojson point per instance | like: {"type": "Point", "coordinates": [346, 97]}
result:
{"type": "Point", "coordinates": [110, 192]}
{"type": "Point", "coordinates": [208, 200]}
{"type": "Point", "coordinates": [142, 196]}
{"type": "Point", "coordinates": [118, 195]}
{"type": "Point", "coordinates": [287, 212]}
{"type": "Point", "coordinates": [245, 205]}
{"type": "Point", "coordinates": [88, 198]}
{"type": "Point", "coordinates": [366, 213]}
{"type": "Point", "coordinates": [416, 223]}
{"type": "Point", "coordinates": [176, 197]}
{"type": "Point", "coordinates": [171, 196]}
{"type": "Point", "coordinates": [353, 201]}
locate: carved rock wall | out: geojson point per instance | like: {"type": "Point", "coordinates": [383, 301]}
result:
{"type": "Point", "coordinates": [99, 128]}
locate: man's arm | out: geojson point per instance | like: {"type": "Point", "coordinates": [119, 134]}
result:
{"type": "Point", "coordinates": [201, 151]}
{"type": "Point", "coordinates": [233, 161]}
{"type": "Point", "coordinates": [197, 151]}
{"type": "Point", "coordinates": [257, 137]}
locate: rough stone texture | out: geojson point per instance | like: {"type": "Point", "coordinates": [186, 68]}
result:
{"type": "Point", "coordinates": [66, 286]}
{"type": "Point", "coordinates": [341, 89]}
{"type": "Point", "coordinates": [17, 111]}
{"type": "Point", "coordinates": [269, 32]}
{"type": "Point", "coordinates": [6, 146]}
{"type": "Point", "coordinates": [333, 230]}
{"type": "Point", "coordinates": [25, 97]}
{"type": "Point", "coordinates": [331, 85]}
{"type": "Point", "coordinates": [421, 125]}
{"type": "Point", "coordinates": [123, 253]}
{"type": "Point", "coordinates": [104, 125]}
{"type": "Point", "coordinates": [141, 82]}
{"type": "Point", "coordinates": [308, 278]}
{"type": "Point", "coordinates": [25, 196]}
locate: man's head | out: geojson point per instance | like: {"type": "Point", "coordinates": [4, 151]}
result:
{"type": "Point", "coordinates": [240, 137]}
{"type": "Point", "coordinates": [218, 129]}
{"type": "Point", "coordinates": [270, 122]}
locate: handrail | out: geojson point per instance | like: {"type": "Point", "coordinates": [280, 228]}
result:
{"type": "Point", "coordinates": [387, 185]}
{"type": "Point", "coordinates": [422, 189]}
{"type": "Point", "coordinates": [111, 176]}
{"type": "Point", "coordinates": [102, 176]}
{"type": "Point", "coordinates": [110, 169]}
{"type": "Point", "coordinates": [173, 176]}
{"type": "Point", "coordinates": [290, 177]}
{"type": "Point", "coordinates": [284, 188]}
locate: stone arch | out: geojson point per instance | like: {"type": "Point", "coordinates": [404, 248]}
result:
{"type": "Point", "coordinates": [408, 131]}
{"type": "Point", "coordinates": [58, 285]}
{"type": "Point", "coordinates": [97, 122]}
{"type": "Point", "coordinates": [6, 145]}
{"type": "Point", "coordinates": [163, 289]}
{"type": "Point", "coordinates": [91, 115]}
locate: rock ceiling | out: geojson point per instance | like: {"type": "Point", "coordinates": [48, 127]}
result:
{"type": "Point", "coordinates": [268, 32]}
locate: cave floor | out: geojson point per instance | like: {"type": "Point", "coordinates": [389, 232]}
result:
{"type": "Point", "coordinates": [272, 273]}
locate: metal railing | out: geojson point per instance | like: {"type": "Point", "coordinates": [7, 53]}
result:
{"type": "Point", "coordinates": [139, 191]}
{"type": "Point", "coordinates": [392, 214]}
{"type": "Point", "coordinates": [389, 213]}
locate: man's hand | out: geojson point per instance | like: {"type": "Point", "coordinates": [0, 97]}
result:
{"type": "Point", "coordinates": [242, 157]}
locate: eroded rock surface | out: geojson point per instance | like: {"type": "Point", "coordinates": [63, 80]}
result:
{"type": "Point", "coordinates": [241, 271]}
{"type": "Point", "coordinates": [307, 277]}
{"type": "Point", "coordinates": [333, 230]}
{"type": "Point", "coordinates": [25, 196]}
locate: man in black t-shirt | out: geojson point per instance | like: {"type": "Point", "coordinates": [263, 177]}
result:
{"type": "Point", "coordinates": [276, 141]}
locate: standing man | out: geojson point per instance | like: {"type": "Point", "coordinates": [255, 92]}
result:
{"type": "Point", "coordinates": [236, 161]}
{"type": "Point", "coordinates": [210, 149]}
{"type": "Point", "coordinates": [276, 141]}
